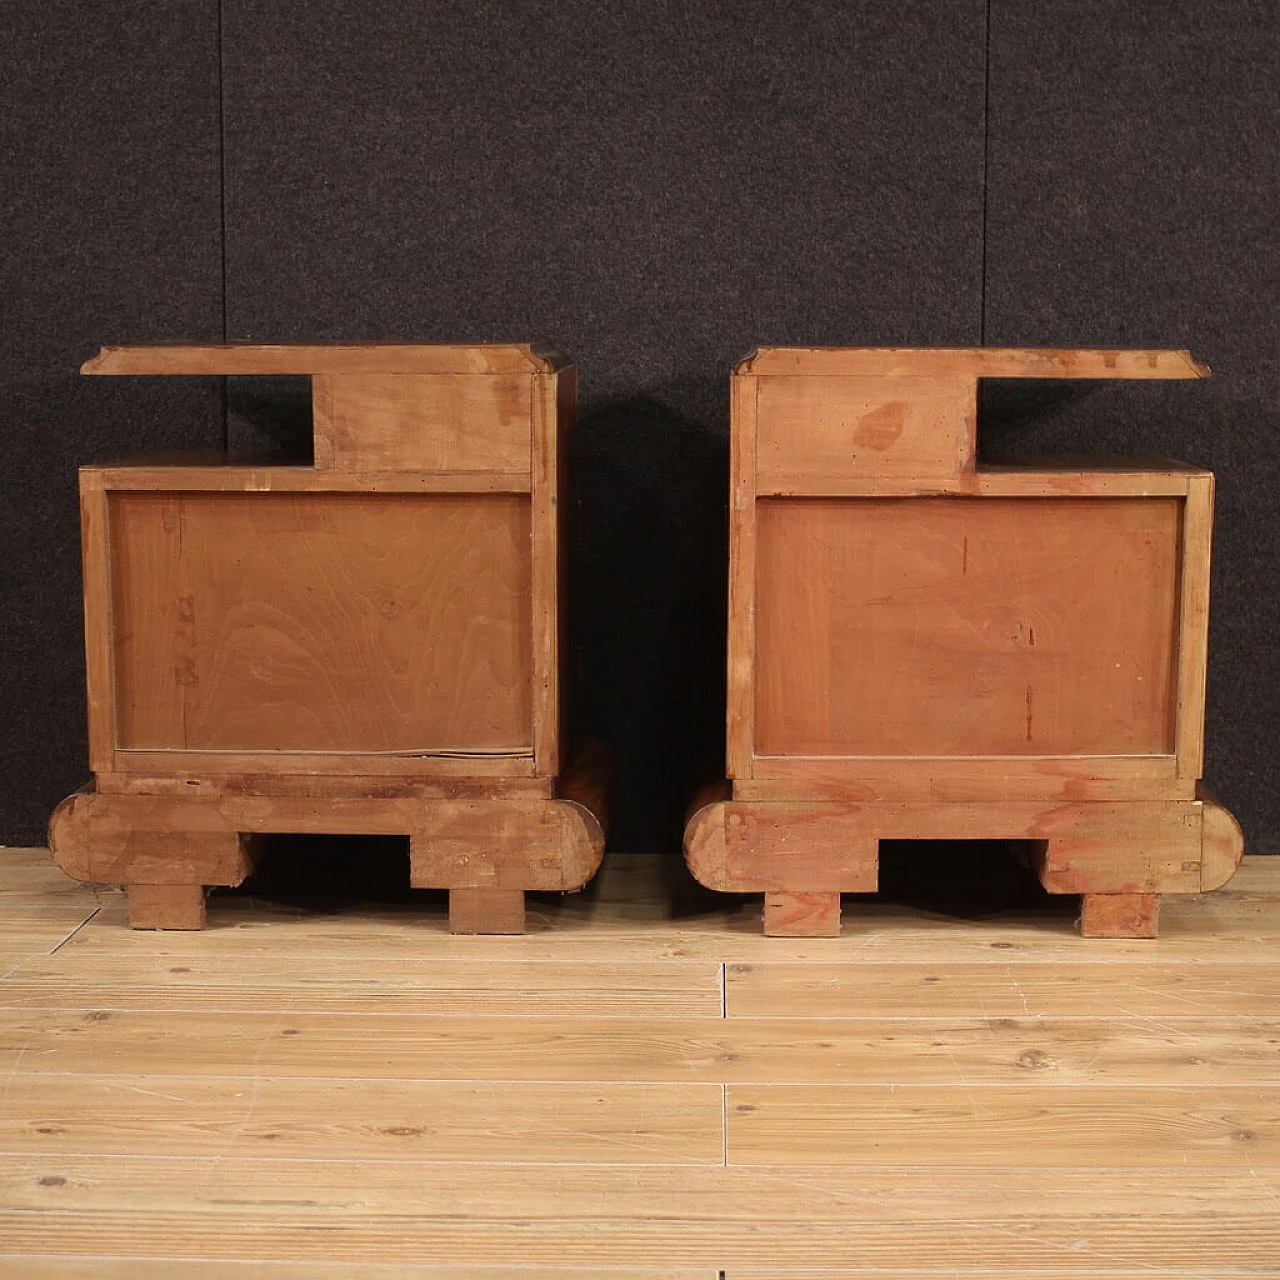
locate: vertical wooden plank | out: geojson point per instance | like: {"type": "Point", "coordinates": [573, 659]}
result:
{"type": "Point", "coordinates": [1120, 915]}
{"type": "Point", "coordinates": [166, 906]}
{"type": "Point", "coordinates": [323, 453]}
{"type": "Point", "coordinates": [742, 574]}
{"type": "Point", "coordinates": [421, 421]}
{"type": "Point", "coordinates": [95, 542]}
{"type": "Point", "coordinates": [1193, 625]}
{"type": "Point", "coordinates": [802, 915]}
{"type": "Point", "coordinates": [565, 527]}
{"type": "Point", "coordinates": [545, 611]}
{"type": "Point", "coordinates": [967, 439]}
{"type": "Point", "coordinates": [152, 610]}
{"type": "Point", "coordinates": [499, 911]}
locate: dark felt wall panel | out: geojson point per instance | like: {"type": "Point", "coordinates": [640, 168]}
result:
{"type": "Point", "coordinates": [655, 187]}
{"type": "Point", "coordinates": [1132, 201]}
{"type": "Point", "coordinates": [110, 223]}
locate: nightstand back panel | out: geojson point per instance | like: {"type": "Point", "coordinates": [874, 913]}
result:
{"type": "Point", "coordinates": [966, 626]}
{"type": "Point", "coordinates": [319, 622]}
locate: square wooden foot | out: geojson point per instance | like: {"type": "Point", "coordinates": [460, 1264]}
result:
{"type": "Point", "coordinates": [486, 910]}
{"type": "Point", "coordinates": [166, 906]}
{"type": "Point", "coordinates": [1120, 915]}
{"type": "Point", "coordinates": [802, 915]}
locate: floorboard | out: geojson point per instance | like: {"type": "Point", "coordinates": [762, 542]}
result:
{"type": "Point", "coordinates": [642, 1088]}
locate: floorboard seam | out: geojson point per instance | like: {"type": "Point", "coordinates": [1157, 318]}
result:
{"type": "Point", "coordinates": [74, 931]}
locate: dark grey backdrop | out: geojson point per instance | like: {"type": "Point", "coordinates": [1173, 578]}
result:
{"type": "Point", "coordinates": [657, 187]}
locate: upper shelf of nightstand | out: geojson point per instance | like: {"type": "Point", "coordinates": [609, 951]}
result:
{"type": "Point", "coordinates": [815, 419]}
{"type": "Point", "coordinates": [965, 363]}
{"type": "Point", "coordinates": [397, 407]}
{"type": "Point", "coordinates": [237, 358]}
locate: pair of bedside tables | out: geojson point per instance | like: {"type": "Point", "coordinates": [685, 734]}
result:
{"type": "Point", "coordinates": [919, 647]}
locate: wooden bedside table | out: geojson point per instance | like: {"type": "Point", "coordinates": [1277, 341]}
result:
{"type": "Point", "coordinates": [368, 645]}
{"type": "Point", "coordinates": [922, 648]}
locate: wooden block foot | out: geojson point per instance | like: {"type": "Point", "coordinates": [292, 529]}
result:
{"type": "Point", "coordinates": [166, 906]}
{"type": "Point", "coordinates": [486, 910]}
{"type": "Point", "coordinates": [802, 915]}
{"type": "Point", "coordinates": [1120, 915]}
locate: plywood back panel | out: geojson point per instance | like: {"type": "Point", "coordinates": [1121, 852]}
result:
{"type": "Point", "coordinates": [321, 622]}
{"type": "Point", "coordinates": [831, 425]}
{"type": "Point", "coordinates": [958, 626]}
{"type": "Point", "coordinates": [422, 421]}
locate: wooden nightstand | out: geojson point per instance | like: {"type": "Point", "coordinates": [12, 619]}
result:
{"type": "Point", "coordinates": [372, 644]}
{"type": "Point", "coordinates": [923, 648]}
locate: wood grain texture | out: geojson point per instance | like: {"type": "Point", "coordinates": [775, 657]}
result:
{"type": "Point", "coordinates": [974, 362]}
{"type": "Point", "coordinates": [546, 570]}
{"type": "Point", "coordinates": [812, 428]}
{"type": "Point", "coordinates": [166, 906]}
{"type": "Point", "coordinates": [356, 1092]}
{"type": "Point", "coordinates": [391, 769]}
{"type": "Point", "coordinates": [321, 622]}
{"type": "Point", "coordinates": [1223, 846]}
{"type": "Point", "coordinates": [849, 989]}
{"type": "Point", "coordinates": [291, 1118]}
{"type": "Point", "coordinates": [100, 675]}
{"type": "Point", "coordinates": [1031, 1052]}
{"type": "Point", "coordinates": [1120, 915]}
{"type": "Point", "coordinates": [1090, 847]}
{"type": "Point", "coordinates": [31, 1267]}
{"type": "Point", "coordinates": [438, 422]}
{"type": "Point", "coordinates": [903, 1125]}
{"type": "Point", "coordinates": [196, 473]}
{"type": "Point", "coordinates": [964, 779]}
{"type": "Point", "coordinates": [473, 841]}
{"type": "Point", "coordinates": [741, 702]}
{"type": "Point", "coordinates": [1193, 626]}
{"type": "Point", "coordinates": [788, 914]}
{"type": "Point", "coordinates": [486, 911]}
{"type": "Point", "coordinates": [1037, 478]}
{"type": "Point", "coordinates": [944, 626]}
{"type": "Point", "coordinates": [938, 1220]}
{"type": "Point", "coordinates": [448, 986]}
{"type": "Point", "coordinates": [232, 358]}
{"type": "Point", "coordinates": [614, 921]}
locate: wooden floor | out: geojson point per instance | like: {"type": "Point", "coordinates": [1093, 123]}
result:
{"type": "Point", "coordinates": [642, 1087]}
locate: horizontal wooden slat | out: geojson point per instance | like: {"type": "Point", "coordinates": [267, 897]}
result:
{"type": "Point", "coordinates": [337, 357]}
{"type": "Point", "coordinates": [904, 1219]}
{"type": "Point", "coordinates": [964, 1123]}
{"type": "Point", "coordinates": [979, 1272]}
{"type": "Point", "coordinates": [258, 1115]}
{"type": "Point", "coordinates": [450, 986]}
{"type": "Point", "coordinates": [962, 780]}
{"type": "Point", "coordinates": [1222, 927]}
{"type": "Point", "coordinates": [993, 1051]}
{"type": "Point", "coordinates": [975, 362]}
{"type": "Point", "coordinates": [734, 1196]}
{"type": "Point", "coordinates": [32, 1267]}
{"type": "Point", "coordinates": [516, 763]}
{"type": "Point", "coordinates": [796, 483]}
{"type": "Point", "coordinates": [932, 990]}
{"type": "Point", "coordinates": [179, 478]}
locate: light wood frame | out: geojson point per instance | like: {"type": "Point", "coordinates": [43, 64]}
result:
{"type": "Point", "coordinates": [869, 431]}
{"type": "Point", "coordinates": [406, 423]}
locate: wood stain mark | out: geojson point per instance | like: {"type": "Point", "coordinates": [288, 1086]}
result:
{"type": "Point", "coordinates": [882, 426]}
{"type": "Point", "coordinates": [1030, 711]}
